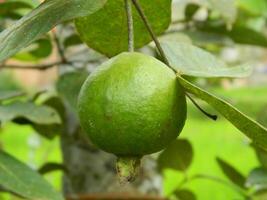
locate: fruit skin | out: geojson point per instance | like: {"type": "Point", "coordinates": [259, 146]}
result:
{"type": "Point", "coordinates": [132, 105]}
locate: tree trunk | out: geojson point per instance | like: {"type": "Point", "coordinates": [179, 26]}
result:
{"type": "Point", "coordinates": [92, 171]}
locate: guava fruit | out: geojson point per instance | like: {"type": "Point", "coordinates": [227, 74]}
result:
{"type": "Point", "coordinates": [132, 105]}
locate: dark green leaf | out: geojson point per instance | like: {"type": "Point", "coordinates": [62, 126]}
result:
{"type": "Point", "coordinates": [41, 20]}
{"type": "Point", "coordinates": [185, 195]}
{"type": "Point", "coordinates": [41, 48]}
{"type": "Point", "coordinates": [106, 30]}
{"type": "Point", "coordinates": [261, 155]}
{"type": "Point", "coordinates": [178, 155]}
{"type": "Point", "coordinates": [20, 179]}
{"type": "Point", "coordinates": [51, 167]}
{"type": "Point", "coordinates": [234, 175]}
{"type": "Point", "coordinates": [8, 9]}
{"type": "Point", "coordinates": [72, 40]}
{"type": "Point", "coordinates": [257, 178]}
{"type": "Point", "coordinates": [193, 61]}
{"type": "Point", "coordinates": [29, 112]}
{"type": "Point", "coordinates": [191, 10]}
{"type": "Point", "coordinates": [256, 132]}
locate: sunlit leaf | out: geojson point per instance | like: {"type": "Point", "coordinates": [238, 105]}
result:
{"type": "Point", "coordinates": [20, 179]}
{"type": "Point", "coordinates": [252, 129]}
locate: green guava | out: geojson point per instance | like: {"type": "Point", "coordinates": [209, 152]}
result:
{"type": "Point", "coordinates": [130, 106]}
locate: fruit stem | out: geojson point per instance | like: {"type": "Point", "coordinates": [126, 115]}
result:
{"type": "Point", "coordinates": [128, 8]}
{"type": "Point", "coordinates": [213, 117]}
{"type": "Point", "coordinates": [128, 168]}
{"type": "Point", "coordinates": [151, 32]}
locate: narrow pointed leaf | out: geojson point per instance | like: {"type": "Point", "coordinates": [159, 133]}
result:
{"type": "Point", "coordinates": [41, 20]}
{"type": "Point", "coordinates": [255, 131]}
{"type": "Point", "coordinates": [193, 61]}
{"type": "Point", "coordinates": [235, 176]}
{"type": "Point", "coordinates": [20, 179]}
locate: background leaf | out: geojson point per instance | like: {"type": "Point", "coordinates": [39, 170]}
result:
{"type": "Point", "coordinates": [106, 30]}
{"type": "Point", "coordinates": [41, 20]}
{"type": "Point", "coordinates": [39, 49]}
{"type": "Point", "coordinates": [185, 195]}
{"type": "Point", "coordinates": [8, 9]}
{"type": "Point", "coordinates": [239, 33]}
{"type": "Point", "coordinates": [193, 61]}
{"type": "Point", "coordinates": [8, 94]}
{"type": "Point", "coordinates": [50, 131]}
{"type": "Point", "coordinates": [21, 111]}
{"type": "Point", "coordinates": [261, 155]}
{"type": "Point", "coordinates": [257, 178]}
{"type": "Point", "coordinates": [20, 179]}
{"type": "Point", "coordinates": [68, 87]}
{"type": "Point", "coordinates": [178, 156]}
{"type": "Point", "coordinates": [256, 132]}
{"type": "Point", "coordinates": [235, 176]}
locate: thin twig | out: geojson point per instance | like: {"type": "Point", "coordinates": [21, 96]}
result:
{"type": "Point", "coordinates": [35, 67]}
{"type": "Point", "coordinates": [59, 48]}
{"type": "Point", "coordinates": [150, 30]}
{"type": "Point", "coordinates": [128, 8]}
{"type": "Point", "coordinates": [213, 117]}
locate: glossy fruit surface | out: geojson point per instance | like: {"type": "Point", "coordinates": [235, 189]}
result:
{"type": "Point", "coordinates": [132, 105]}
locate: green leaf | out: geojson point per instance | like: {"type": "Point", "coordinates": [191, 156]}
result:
{"type": "Point", "coordinates": [69, 85]}
{"type": "Point", "coordinates": [239, 33]}
{"type": "Point", "coordinates": [73, 39]}
{"type": "Point", "coordinates": [256, 132]}
{"type": "Point", "coordinates": [257, 178]}
{"type": "Point", "coordinates": [40, 49]}
{"type": "Point", "coordinates": [29, 112]}
{"type": "Point", "coordinates": [178, 156]}
{"type": "Point", "coordinates": [20, 179]}
{"type": "Point", "coordinates": [51, 130]}
{"type": "Point", "coordinates": [106, 30]}
{"type": "Point", "coordinates": [185, 195]}
{"type": "Point", "coordinates": [261, 155]}
{"type": "Point", "coordinates": [41, 20]}
{"type": "Point", "coordinates": [234, 175]}
{"type": "Point", "coordinates": [193, 61]}
{"type": "Point", "coordinates": [9, 94]}
{"type": "Point", "coordinates": [191, 10]}
{"type": "Point", "coordinates": [8, 9]}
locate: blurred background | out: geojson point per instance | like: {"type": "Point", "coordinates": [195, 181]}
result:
{"type": "Point", "coordinates": [234, 31]}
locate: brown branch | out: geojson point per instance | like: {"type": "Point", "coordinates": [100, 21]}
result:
{"type": "Point", "coordinates": [115, 197]}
